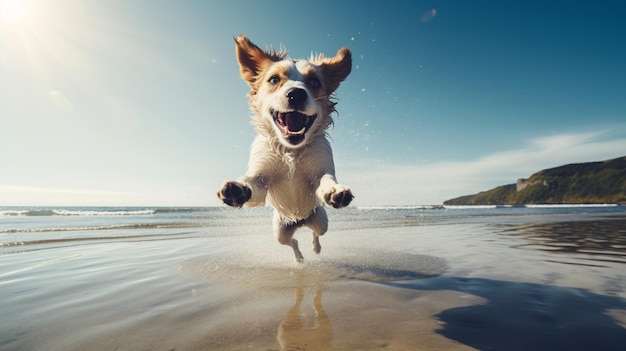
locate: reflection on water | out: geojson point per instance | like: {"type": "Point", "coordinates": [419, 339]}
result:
{"type": "Point", "coordinates": [305, 325]}
{"type": "Point", "coordinates": [299, 331]}
{"type": "Point", "coordinates": [529, 316]}
{"type": "Point", "coordinates": [603, 240]}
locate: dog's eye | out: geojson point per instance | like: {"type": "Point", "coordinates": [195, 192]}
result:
{"type": "Point", "coordinates": [274, 79]}
{"type": "Point", "coordinates": [315, 83]}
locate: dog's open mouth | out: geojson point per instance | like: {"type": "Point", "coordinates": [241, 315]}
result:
{"type": "Point", "coordinates": [293, 125]}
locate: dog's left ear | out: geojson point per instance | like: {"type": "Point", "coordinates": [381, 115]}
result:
{"type": "Point", "coordinates": [336, 69]}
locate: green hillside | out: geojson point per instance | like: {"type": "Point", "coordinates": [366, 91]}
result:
{"type": "Point", "coordinates": [579, 183]}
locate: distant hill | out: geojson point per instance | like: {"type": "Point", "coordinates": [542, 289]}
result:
{"type": "Point", "coordinates": [578, 183]}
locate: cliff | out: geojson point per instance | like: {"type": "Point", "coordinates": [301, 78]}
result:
{"type": "Point", "coordinates": [579, 183]}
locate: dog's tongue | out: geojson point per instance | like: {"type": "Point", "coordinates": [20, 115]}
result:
{"type": "Point", "coordinates": [294, 121]}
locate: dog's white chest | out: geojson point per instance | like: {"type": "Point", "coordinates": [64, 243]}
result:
{"type": "Point", "coordinates": [292, 193]}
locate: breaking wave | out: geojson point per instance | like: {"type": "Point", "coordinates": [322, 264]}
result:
{"type": "Point", "coordinates": [99, 227]}
{"type": "Point", "coordinates": [93, 212]}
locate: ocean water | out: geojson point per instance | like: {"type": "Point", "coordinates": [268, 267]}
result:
{"type": "Point", "coordinates": [23, 229]}
{"type": "Point", "coordinates": [459, 278]}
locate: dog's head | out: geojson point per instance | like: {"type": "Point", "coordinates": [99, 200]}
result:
{"type": "Point", "coordinates": [291, 98]}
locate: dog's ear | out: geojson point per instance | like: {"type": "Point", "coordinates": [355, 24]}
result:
{"type": "Point", "coordinates": [336, 69]}
{"type": "Point", "coordinates": [252, 59]}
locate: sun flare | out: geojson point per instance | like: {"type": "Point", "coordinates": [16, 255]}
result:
{"type": "Point", "coordinates": [14, 11]}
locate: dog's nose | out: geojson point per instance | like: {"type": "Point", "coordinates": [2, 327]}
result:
{"type": "Point", "coordinates": [296, 98]}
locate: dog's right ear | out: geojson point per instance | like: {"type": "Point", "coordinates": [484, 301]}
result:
{"type": "Point", "coordinates": [253, 60]}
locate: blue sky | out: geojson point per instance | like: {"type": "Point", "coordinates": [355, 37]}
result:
{"type": "Point", "coordinates": [140, 102]}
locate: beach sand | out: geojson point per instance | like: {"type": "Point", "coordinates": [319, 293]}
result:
{"type": "Point", "coordinates": [469, 285]}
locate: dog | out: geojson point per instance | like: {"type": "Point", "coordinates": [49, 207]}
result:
{"type": "Point", "coordinates": [291, 161]}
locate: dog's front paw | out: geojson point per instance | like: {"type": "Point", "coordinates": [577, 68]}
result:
{"type": "Point", "coordinates": [234, 193]}
{"type": "Point", "coordinates": [338, 196]}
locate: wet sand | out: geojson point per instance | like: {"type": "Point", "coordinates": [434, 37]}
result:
{"type": "Point", "coordinates": [473, 285]}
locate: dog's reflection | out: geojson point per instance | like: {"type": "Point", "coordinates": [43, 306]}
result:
{"type": "Point", "coordinates": [299, 331]}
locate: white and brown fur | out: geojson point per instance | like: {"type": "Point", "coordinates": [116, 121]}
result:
{"type": "Point", "coordinates": [291, 162]}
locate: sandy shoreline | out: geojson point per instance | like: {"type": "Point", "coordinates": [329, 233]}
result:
{"type": "Point", "coordinates": [442, 313]}
{"type": "Point", "coordinates": [455, 286]}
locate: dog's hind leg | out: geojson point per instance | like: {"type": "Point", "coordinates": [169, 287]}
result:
{"type": "Point", "coordinates": [318, 223]}
{"type": "Point", "coordinates": [284, 231]}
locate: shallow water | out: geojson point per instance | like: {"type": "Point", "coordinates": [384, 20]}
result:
{"type": "Point", "coordinates": [394, 279]}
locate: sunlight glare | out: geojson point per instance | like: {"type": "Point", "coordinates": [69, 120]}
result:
{"type": "Point", "coordinates": [429, 15]}
{"type": "Point", "coordinates": [14, 11]}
